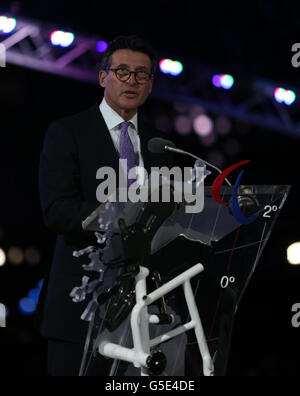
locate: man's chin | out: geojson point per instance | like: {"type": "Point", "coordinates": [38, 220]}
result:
{"type": "Point", "coordinates": [130, 104]}
{"type": "Point", "coordinates": [130, 108]}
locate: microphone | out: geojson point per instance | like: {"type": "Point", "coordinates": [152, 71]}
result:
{"type": "Point", "coordinates": [159, 146]}
{"type": "Point", "coordinates": [248, 202]}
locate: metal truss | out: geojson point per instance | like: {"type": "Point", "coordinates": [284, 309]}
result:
{"type": "Point", "coordinates": [249, 102]}
{"type": "Point", "coordinates": [29, 46]}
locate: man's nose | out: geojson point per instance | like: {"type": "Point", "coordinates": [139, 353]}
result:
{"type": "Point", "coordinates": [132, 80]}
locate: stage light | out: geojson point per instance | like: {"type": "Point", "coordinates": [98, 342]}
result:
{"type": "Point", "coordinates": [7, 25]}
{"type": "Point", "coordinates": [216, 80]}
{"type": "Point", "coordinates": [225, 81]}
{"type": "Point", "coordinates": [62, 39]}
{"type": "Point", "coordinates": [203, 125]}
{"type": "Point", "coordinates": [290, 97]}
{"type": "Point", "coordinates": [67, 39]}
{"type": "Point", "coordinates": [279, 95]}
{"type": "Point", "coordinates": [169, 66]}
{"type": "Point", "coordinates": [56, 37]}
{"type": "Point", "coordinates": [286, 96]}
{"type": "Point", "coordinates": [2, 257]}
{"type": "Point", "coordinates": [102, 46]}
{"type": "Point", "coordinates": [293, 253]}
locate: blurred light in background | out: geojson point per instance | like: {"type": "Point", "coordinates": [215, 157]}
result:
{"type": "Point", "coordinates": [32, 255]}
{"type": "Point", "coordinates": [183, 125]}
{"type": "Point", "coordinates": [2, 257]}
{"type": "Point", "coordinates": [169, 66]}
{"type": "Point", "coordinates": [223, 125]}
{"type": "Point", "coordinates": [15, 255]}
{"type": "Point", "coordinates": [62, 39]}
{"type": "Point", "coordinates": [293, 253]}
{"type": "Point", "coordinates": [102, 46]}
{"type": "Point", "coordinates": [286, 96]}
{"type": "Point", "coordinates": [203, 125]}
{"type": "Point", "coordinates": [225, 81]}
{"type": "Point", "coordinates": [7, 25]}
{"type": "Point", "coordinates": [208, 140]}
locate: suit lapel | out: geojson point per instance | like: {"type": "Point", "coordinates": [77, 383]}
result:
{"type": "Point", "coordinates": [103, 144]}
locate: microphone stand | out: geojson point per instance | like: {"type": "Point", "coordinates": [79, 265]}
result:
{"type": "Point", "coordinates": [179, 151]}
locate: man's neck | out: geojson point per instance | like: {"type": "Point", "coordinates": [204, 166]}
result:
{"type": "Point", "coordinates": [127, 115]}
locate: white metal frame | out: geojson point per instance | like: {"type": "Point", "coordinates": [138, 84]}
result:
{"type": "Point", "coordinates": [140, 320]}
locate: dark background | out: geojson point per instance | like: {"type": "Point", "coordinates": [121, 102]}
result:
{"type": "Point", "coordinates": [250, 40]}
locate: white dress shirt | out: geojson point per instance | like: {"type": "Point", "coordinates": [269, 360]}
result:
{"type": "Point", "coordinates": [113, 121]}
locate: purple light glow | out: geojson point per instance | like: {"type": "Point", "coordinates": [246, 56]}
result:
{"type": "Point", "coordinates": [102, 46]}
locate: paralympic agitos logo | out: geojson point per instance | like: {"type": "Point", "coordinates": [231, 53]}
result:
{"type": "Point", "coordinates": [216, 188]}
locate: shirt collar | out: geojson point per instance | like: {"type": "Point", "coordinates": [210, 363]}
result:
{"type": "Point", "coordinates": [112, 118]}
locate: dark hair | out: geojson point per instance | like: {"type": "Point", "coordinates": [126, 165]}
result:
{"type": "Point", "coordinates": [133, 43]}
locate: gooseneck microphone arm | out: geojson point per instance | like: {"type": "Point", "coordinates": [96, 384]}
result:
{"type": "Point", "coordinates": [159, 145]}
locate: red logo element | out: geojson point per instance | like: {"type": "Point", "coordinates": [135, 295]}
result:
{"type": "Point", "coordinates": [217, 184]}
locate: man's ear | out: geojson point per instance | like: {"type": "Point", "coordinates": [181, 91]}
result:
{"type": "Point", "coordinates": [102, 78]}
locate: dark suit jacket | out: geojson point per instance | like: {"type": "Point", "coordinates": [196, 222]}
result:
{"type": "Point", "coordinates": [74, 149]}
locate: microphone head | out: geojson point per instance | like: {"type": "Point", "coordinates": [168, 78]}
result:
{"type": "Point", "coordinates": [157, 145]}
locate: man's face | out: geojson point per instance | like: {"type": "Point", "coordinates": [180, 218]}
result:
{"type": "Point", "coordinates": [126, 97]}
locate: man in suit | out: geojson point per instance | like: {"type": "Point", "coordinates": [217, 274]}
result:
{"type": "Point", "coordinates": [74, 149]}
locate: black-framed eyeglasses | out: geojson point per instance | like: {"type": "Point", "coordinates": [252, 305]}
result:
{"type": "Point", "coordinates": [123, 74]}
